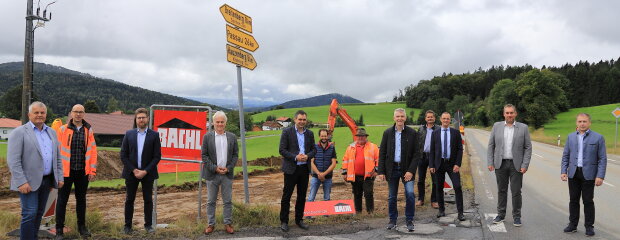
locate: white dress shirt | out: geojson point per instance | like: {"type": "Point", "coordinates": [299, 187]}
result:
{"type": "Point", "coordinates": [221, 148]}
{"type": "Point", "coordinates": [509, 132]}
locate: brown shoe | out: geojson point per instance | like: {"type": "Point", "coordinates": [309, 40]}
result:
{"type": "Point", "coordinates": [229, 229]}
{"type": "Point", "coordinates": [435, 205]}
{"type": "Point", "coordinates": [209, 229]}
{"type": "Point", "coordinates": [419, 203]}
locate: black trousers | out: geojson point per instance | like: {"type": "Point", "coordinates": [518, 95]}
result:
{"type": "Point", "coordinates": [363, 187]}
{"type": "Point", "coordinates": [440, 174]}
{"type": "Point", "coordinates": [299, 178]}
{"type": "Point", "coordinates": [422, 167]}
{"type": "Point", "coordinates": [579, 187]}
{"type": "Point", "coordinates": [147, 196]}
{"type": "Point", "coordinates": [80, 180]}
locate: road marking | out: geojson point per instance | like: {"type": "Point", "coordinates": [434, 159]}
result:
{"type": "Point", "coordinates": [538, 155]}
{"type": "Point", "coordinates": [500, 227]}
{"type": "Point", "coordinates": [609, 184]}
{"type": "Point", "coordinates": [611, 160]}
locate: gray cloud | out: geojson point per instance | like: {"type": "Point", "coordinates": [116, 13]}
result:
{"type": "Point", "coordinates": [365, 49]}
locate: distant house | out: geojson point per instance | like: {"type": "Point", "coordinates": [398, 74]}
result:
{"type": "Point", "coordinates": [7, 125]}
{"type": "Point", "coordinates": [271, 125]}
{"type": "Point", "coordinates": [284, 121]}
{"type": "Point", "coordinates": [109, 127]}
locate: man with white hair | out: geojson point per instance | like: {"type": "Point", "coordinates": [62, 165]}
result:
{"type": "Point", "coordinates": [219, 155]}
{"type": "Point", "coordinates": [34, 161]}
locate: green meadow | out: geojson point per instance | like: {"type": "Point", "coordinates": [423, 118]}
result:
{"type": "Point", "coordinates": [603, 122]}
{"type": "Point", "coordinates": [374, 114]}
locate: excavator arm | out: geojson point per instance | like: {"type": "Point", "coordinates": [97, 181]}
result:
{"type": "Point", "coordinates": [336, 111]}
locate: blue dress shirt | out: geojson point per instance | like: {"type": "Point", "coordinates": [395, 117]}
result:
{"type": "Point", "coordinates": [398, 136]}
{"type": "Point", "coordinates": [46, 146]}
{"type": "Point", "coordinates": [301, 140]}
{"type": "Point", "coordinates": [141, 138]}
{"type": "Point", "coordinates": [445, 137]}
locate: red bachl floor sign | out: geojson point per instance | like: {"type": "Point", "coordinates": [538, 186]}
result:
{"type": "Point", "coordinates": [332, 207]}
{"type": "Point", "coordinates": [180, 133]}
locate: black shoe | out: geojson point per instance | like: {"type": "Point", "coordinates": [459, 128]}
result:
{"type": "Point", "coordinates": [302, 225]}
{"type": "Point", "coordinates": [410, 226]}
{"type": "Point", "coordinates": [571, 228]}
{"type": "Point", "coordinates": [83, 231]}
{"type": "Point", "coordinates": [59, 234]}
{"type": "Point", "coordinates": [517, 222]}
{"type": "Point", "coordinates": [149, 229]}
{"type": "Point", "coordinates": [391, 225]}
{"type": "Point", "coordinates": [284, 227]}
{"type": "Point", "coordinates": [127, 230]}
{"type": "Point", "coordinates": [589, 231]}
{"type": "Point", "coordinates": [461, 217]}
{"type": "Point", "coordinates": [498, 219]}
{"type": "Point", "coordinates": [441, 214]}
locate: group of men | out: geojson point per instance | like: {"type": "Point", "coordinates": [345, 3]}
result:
{"type": "Point", "coordinates": [41, 158]}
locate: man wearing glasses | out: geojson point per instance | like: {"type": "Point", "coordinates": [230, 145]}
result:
{"type": "Point", "coordinates": [78, 152]}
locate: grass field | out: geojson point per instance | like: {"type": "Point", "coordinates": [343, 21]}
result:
{"type": "Point", "coordinates": [3, 150]}
{"type": "Point", "coordinates": [602, 122]}
{"type": "Point", "coordinates": [374, 114]}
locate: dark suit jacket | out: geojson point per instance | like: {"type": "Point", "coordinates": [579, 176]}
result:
{"type": "Point", "coordinates": [456, 148]}
{"type": "Point", "coordinates": [289, 148]}
{"type": "Point", "coordinates": [209, 155]}
{"type": "Point", "coordinates": [594, 156]}
{"type": "Point", "coordinates": [409, 151]}
{"type": "Point", "coordinates": [151, 154]}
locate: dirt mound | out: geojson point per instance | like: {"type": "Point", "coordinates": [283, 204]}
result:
{"type": "Point", "coordinates": [272, 161]}
{"type": "Point", "coordinates": [109, 165]}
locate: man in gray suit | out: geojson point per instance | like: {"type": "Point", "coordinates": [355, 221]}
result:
{"type": "Point", "coordinates": [584, 163]}
{"type": "Point", "coordinates": [219, 155]}
{"type": "Point", "coordinates": [509, 154]}
{"type": "Point", "coordinates": [36, 167]}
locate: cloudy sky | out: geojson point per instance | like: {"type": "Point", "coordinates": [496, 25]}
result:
{"type": "Point", "coordinates": [364, 49]}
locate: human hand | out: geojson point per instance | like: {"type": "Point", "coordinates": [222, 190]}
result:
{"type": "Point", "coordinates": [456, 169]}
{"type": "Point", "coordinates": [491, 168]}
{"type": "Point", "coordinates": [24, 188]}
{"type": "Point", "coordinates": [91, 177]}
{"type": "Point", "coordinates": [598, 182]}
{"type": "Point", "coordinates": [408, 176]}
{"type": "Point", "coordinates": [564, 177]}
{"type": "Point", "coordinates": [432, 170]}
{"type": "Point", "coordinates": [523, 170]}
{"type": "Point", "coordinates": [60, 184]}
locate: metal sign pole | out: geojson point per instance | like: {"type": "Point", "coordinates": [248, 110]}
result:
{"type": "Point", "coordinates": [242, 133]}
{"type": "Point", "coordinates": [616, 139]}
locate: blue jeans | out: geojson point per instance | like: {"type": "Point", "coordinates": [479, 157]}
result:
{"type": "Point", "coordinates": [33, 207]}
{"type": "Point", "coordinates": [393, 183]}
{"type": "Point", "coordinates": [315, 183]}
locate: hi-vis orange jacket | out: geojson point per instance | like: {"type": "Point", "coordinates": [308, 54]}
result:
{"type": "Point", "coordinates": [65, 136]}
{"type": "Point", "coordinates": [371, 156]}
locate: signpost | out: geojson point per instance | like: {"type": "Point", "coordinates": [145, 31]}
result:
{"type": "Point", "coordinates": [240, 39]}
{"type": "Point", "coordinates": [616, 113]}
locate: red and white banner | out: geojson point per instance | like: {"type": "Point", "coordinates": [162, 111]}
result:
{"type": "Point", "coordinates": [180, 133]}
{"type": "Point", "coordinates": [332, 207]}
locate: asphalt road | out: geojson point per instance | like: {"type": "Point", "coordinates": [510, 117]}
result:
{"type": "Point", "coordinates": [545, 196]}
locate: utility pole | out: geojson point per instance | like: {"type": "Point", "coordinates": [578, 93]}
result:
{"type": "Point", "coordinates": [29, 54]}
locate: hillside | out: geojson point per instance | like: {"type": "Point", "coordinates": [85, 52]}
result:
{"type": "Point", "coordinates": [602, 122]}
{"type": "Point", "coordinates": [320, 100]}
{"type": "Point", "coordinates": [61, 88]}
{"type": "Point", "coordinates": [374, 113]}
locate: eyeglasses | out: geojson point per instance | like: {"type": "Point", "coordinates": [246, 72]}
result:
{"type": "Point", "coordinates": [78, 112]}
{"type": "Point", "coordinates": [140, 118]}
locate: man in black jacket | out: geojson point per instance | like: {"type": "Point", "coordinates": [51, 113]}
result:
{"type": "Point", "coordinates": [446, 157]}
{"type": "Point", "coordinates": [297, 147]}
{"type": "Point", "coordinates": [424, 134]}
{"type": "Point", "coordinates": [398, 160]}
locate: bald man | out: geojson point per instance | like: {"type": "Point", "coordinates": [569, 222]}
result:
{"type": "Point", "coordinates": [78, 151]}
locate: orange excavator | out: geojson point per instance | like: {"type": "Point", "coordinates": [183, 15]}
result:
{"type": "Point", "coordinates": [336, 111]}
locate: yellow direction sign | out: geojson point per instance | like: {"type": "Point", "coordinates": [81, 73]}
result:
{"type": "Point", "coordinates": [236, 18]}
{"type": "Point", "coordinates": [240, 57]}
{"type": "Point", "coordinates": [616, 112]}
{"type": "Point", "coordinates": [241, 39]}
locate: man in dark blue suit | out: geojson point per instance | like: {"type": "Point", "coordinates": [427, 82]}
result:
{"type": "Point", "coordinates": [140, 153]}
{"type": "Point", "coordinates": [445, 157]}
{"type": "Point", "coordinates": [584, 163]}
{"type": "Point", "coordinates": [297, 147]}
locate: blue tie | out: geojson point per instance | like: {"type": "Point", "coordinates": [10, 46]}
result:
{"type": "Point", "coordinates": [445, 143]}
